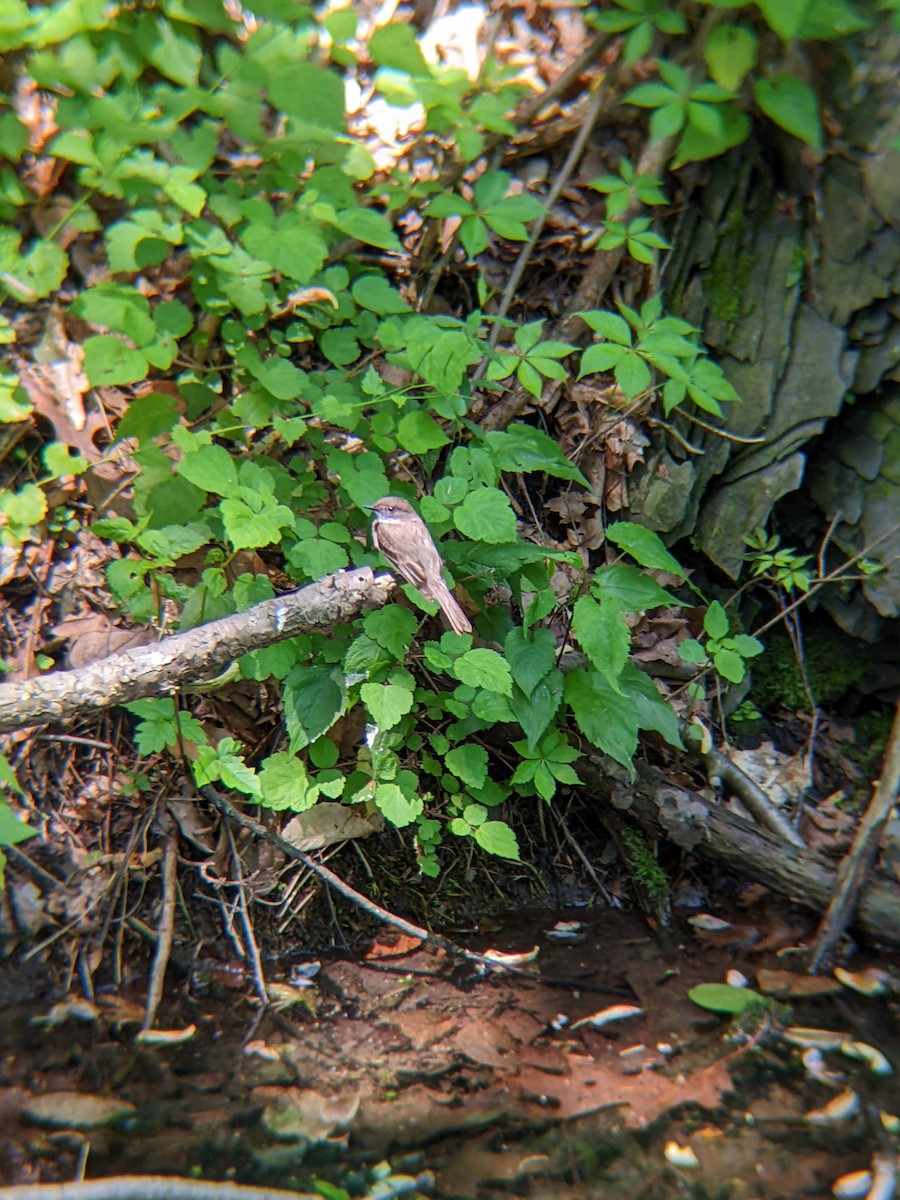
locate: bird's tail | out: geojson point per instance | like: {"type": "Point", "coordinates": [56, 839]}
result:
{"type": "Point", "coordinates": [459, 622]}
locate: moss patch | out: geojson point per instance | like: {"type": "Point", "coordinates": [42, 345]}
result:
{"type": "Point", "coordinates": [834, 664]}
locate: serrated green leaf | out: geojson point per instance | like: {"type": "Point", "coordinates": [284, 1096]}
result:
{"type": "Point", "coordinates": [730, 54]}
{"type": "Point", "coordinates": [396, 806]}
{"type": "Point", "coordinates": [530, 658]}
{"type": "Point", "coordinates": [392, 627]}
{"type": "Point", "coordinates": [314, 698]}
{"type": "Point", "coordinates": [109, 362]}
{"type": "Point", "coordinates": [522, 448]}
{"type": "Point", "coordinates": [486, 516]}
{"type": "Point", "coordinates": [631, 588]}
{"type": "Point", "coordinates": [418, 432]}
{"type": "Point", "coordinates": [715, 621]}
{"type": "Point", "coordinates": [730, 665]}
{"type": "Point", "coordinates": [211, 468]}
{"type": "Point", "coordinates": [608, 720]}
{"type": "Point", "coordinates": [376, 294]}
{"type": "Point", "coordinates": [468, 763]}
{"type": "Point", "coordinates": [653, 712]}
{"type": "Point", "coordinates": [387, 703]}
{"type": "Point", "coordinates": [484, 668]}
{"type": "Point", "coordinates": [603, 636]}
{"type": "Point", "coordinates": [285, 785]}
{"type": "Point", "coordinates": [632, 375]}
{"type": "Point", "coordinates": [497, 838]}
{"type": "Point", "coordinates": [602, 357]}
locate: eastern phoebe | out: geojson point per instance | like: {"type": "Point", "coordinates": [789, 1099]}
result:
{"type": "Point", "coordinates": [403, 538]}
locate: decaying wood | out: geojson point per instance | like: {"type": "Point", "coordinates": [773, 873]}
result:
{"type": "Point", "coordinates": [712, 831]}
{"type": "Point", "coordinates": [160, 669]}
{"type": "Point", "coordinates": [856, 866]}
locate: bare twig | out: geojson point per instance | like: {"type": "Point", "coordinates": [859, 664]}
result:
{"type": "Point", "coordinates": [337, 884]}
{"type": "Point", "coordinates": [600, 100]}
{"type": "Point", "coordinates": [855, 867]}
{"type": "Point", "coordinates": [166, 930]}
{"type": "Point", "coordinates": [753, 798]}
{"type": "Point", "coordinates": [252, 947]}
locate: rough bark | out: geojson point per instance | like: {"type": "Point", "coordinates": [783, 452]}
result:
{"type": "Point", "coordinates": [792, 275]}
{"type": "Point", "coordinates": [711, 831]}
{"type": "Point", "coordinates": [160, 669]}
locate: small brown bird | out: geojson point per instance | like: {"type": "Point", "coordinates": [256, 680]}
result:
{"type": "Point", "coordinates": [403, 538]}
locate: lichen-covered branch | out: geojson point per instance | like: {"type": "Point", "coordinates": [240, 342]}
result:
{"type": "Point", "coordinates": [163, 668]}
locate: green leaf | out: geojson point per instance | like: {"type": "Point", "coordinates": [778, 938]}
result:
{"type": "Point", "coordinates": [392, 627]}
{"type": "Point", "coordinates": [394, 45]}
{"type": "Point", "coordinates": [608, 720]}
{"type": "Point", "coordinates": [715, 622]}
{"type": "Point", "coordinates": [284, 784]}
{"type": "Point", "coordinates": [747, 646]}
{"type": "Point", "coordinates": [784, 16]}
{"type": "Point", "coordinates": [522, 448]}
{"type": "Point", "coordinates": [721, 997]}
{"type": "Point", "coordinates": [396, 806]}
{"type": "Point", "coordinates": [34, 275]}
{"type": "Point", "coordinates": [59, 461]}
{"type": "Point", "coordinates": [418, 432]}
{"type": "Point", "coordinates": [645, 546]}
{"type": "Point", "coordinates": [376, 294]}
{"type": "Point", "coordinates": [535, 712]}
{"type": "Point", "coordinates": [484, 668]}
{"type": "Point", "coordinates": [730, 665]}
{"type": "Point", "coordinates": [730, 54]}
{"type": "Point", "coordinates": [369, 227]}
{"type": "Point", "coordinates": [602, 357]}
{"type": "Point", "coordinates": [603, 636]}
{"type": "Point", "coordinates": [632, 375]}
{"type": "Point", "coordinates": [280, 377]}
{"type": "Point", "coordinates": [609, 325]}
{"type": "Point", "coordinates": [311, 93]}
{"type": "Point", "coordinates": [530, 658]}
{"type": "Point", "coordinates": [631, 588]}
{"type": "Point", "coordinates": [252, 523]}
{"type": "Point", "coordinates": [653, 712]}
{"type": "Point", "coordinates": [211, 468]}
{"type": "Point", "coordinates": [486, 516]}
{"type": "Point", "coordinates": [314, 698]}
{"type": "Point", "coordinates": [690, 651]}
{"type": "Point", "coordinates": [792, 105]}
{"type": "Point", "coordinates": [316, 557]}
{"type": "Point", "coordinates": [497, 838]}
{"type": "Point", "coordinates": [12, 829]}
{"type": "Point", "coordinates": [468, 763]}
{"type": "Point", "coordinates": [109, 362]}
{"type": "Point", "coordinates": [387, 703]}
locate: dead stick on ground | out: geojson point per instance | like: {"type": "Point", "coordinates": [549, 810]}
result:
{"type": "Point", "coordinates": [337, 884]}
{"type": "Point", "coordinates": [855, 867]}
{"type": "Point", "coordinates": [243, 908]}
{"type": "Point", "coordinates": [148, 1187]}
{"type": "Point", "coordinates": [166, 930]}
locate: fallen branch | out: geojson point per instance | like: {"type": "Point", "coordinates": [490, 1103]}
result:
{"type": "Point", "coordinates": [855, 867]}
{"type": "Point", "coordinates": [161, 669]}
{"type": "Point", "coordinates": [148, 1187]}
{"type": "Point", "coordinates": [711, 831]}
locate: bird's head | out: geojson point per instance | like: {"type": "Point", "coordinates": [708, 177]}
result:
{"type": "Point", "coordinates": [392, 508]}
